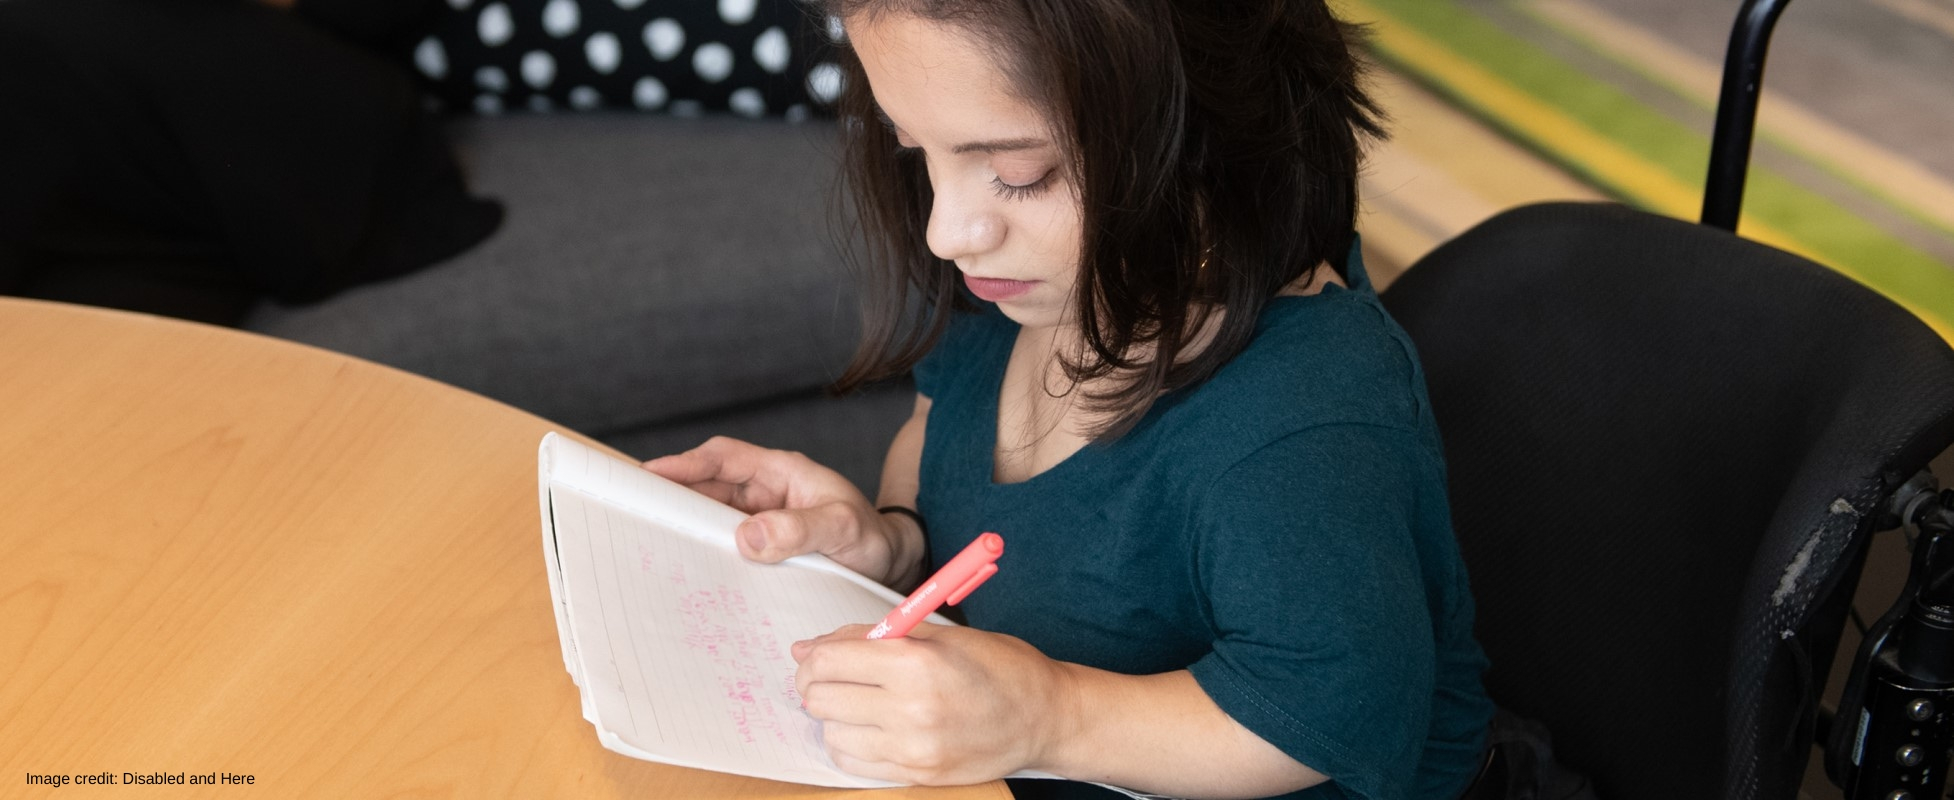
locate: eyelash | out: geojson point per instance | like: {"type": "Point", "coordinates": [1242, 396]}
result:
{"type": "Point", "coordinates": [1026, 192]}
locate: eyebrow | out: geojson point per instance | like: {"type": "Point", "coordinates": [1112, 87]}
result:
{"type": "Point", "coordinates": [998, 146]}
{"type": "Point", "coordinates": [989, 146]}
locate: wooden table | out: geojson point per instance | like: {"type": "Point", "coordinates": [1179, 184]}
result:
{"type": "Point", "coordinates": [226, 554]}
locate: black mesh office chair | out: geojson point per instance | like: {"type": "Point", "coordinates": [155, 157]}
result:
{"type": "Point", "coordinates": [1668, 447]}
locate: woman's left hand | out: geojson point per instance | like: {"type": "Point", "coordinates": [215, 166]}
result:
{"type": "Point", "coordinates": [942, 706]}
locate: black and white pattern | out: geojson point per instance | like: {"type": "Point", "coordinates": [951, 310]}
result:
{"type": "Point", "coordinates": [752, 57]}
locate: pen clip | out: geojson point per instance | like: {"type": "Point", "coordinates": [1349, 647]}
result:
{"type": "Point", "coordinates": [983, 574]}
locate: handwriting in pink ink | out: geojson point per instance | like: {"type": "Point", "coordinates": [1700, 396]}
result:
{"type": "Point", "coordinates": [744, 651]}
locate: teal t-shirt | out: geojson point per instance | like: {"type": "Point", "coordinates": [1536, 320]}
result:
{"type": "Point", "coordinates": [1280, 530]}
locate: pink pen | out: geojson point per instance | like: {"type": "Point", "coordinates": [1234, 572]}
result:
{"type": "Point", "coordinates": [951, 584]}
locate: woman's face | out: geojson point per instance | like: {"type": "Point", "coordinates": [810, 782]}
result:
{"type": "Point", "coordinates": [1004, 210]}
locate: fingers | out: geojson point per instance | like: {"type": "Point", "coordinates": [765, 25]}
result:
{"type": "Point", "coordinates": [850, 703]}
{"type": "Point", "coordinates": [875, 752]}
{"type": "Point", "coordinates": [846, 658]}
{"type": "Point", "coordinates": [728, 493]}
{"type": "Point", "coordinates": [850, 660]}
{"type": "Point", "coordinates": [801, 648]}
{"type": "Point", "coordinates": [724, 460]}
{"type": "Point", "coordinates": [918, 710]}
{"type": "Point", "coordinates": [753, 478]}
{"type": "Point", "coordinates": [923, 632]}
{"type": "Point", "coordinates": [848, 760]}
{"type": "Point", "coordinates": [798, 506]}
{"type": "Point", "coordinates": [720, 460]}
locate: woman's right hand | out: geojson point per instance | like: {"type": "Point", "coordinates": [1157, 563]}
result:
{"type": "Point", "coordinates": [797, 506]}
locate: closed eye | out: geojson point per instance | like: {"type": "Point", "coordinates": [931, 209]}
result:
{"type": "Point", "coordinates": [1013, 191]}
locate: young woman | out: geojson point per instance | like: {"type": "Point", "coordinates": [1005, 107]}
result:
{"type": "Point", "coordinates": [1114, 241]}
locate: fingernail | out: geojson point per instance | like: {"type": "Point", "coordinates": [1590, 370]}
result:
{"type": "Point", "coordinates": [755, 535]}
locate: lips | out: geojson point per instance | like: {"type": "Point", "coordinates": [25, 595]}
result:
{"type": "Point", "coordinates": [996, 290]}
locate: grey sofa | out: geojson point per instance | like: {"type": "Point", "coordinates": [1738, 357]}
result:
{"type": "Point", "coordinates": [657, 280]}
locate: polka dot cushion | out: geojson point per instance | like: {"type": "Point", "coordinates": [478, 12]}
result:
{"type": "Point", "coordinates": [752, 57]}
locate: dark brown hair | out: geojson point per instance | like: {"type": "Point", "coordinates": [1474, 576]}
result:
{"type": "Point", "coordinates": [1215, 147]}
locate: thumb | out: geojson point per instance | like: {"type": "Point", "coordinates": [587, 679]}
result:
{"type": "Point", "coordinates": [771, 536]}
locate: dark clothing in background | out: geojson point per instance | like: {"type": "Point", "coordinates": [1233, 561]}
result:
{"type": "Point", "coordinates": [187, 157]}
{"type": "Point", "coordinates": [769, 58]}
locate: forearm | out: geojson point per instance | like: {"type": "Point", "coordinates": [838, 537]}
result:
{"type": "Point", "coordinates": [1162, 734]}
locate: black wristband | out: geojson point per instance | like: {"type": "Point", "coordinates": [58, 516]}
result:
{"type": "Point", "coordinates": [907, 512]}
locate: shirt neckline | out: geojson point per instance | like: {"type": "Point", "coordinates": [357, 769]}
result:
{"type": "Point", "coordinates": [1000, 358]}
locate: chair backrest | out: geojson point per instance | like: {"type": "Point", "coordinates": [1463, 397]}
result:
{"type": "Point", "coordinates": [1667, 447]}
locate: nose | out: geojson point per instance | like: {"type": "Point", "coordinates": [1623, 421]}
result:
{"type": "Point", "coordinates": [962, 224]}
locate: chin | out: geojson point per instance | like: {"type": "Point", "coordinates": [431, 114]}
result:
{"type": "Point", "coordinates": [1032, 317]}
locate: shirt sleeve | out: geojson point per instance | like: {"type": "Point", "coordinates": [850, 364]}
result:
{"type": "Point", "coordinates": [1324, 639]}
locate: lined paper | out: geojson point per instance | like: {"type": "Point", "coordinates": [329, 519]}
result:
{"type": "Point", "coordinates": [678, 645]}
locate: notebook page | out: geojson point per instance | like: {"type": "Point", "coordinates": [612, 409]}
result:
{"type": "Point", "coordinates": [679, 645]}
{"type": "Point", "coordinates": [684, 650]}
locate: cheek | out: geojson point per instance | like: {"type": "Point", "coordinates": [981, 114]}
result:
{"type": "Point", "coordinates": [1057, 231]}
{"type": "Point", "coordinates": [1051, 220]}
{"type": "Point", "coordinates": [1054, 234]}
